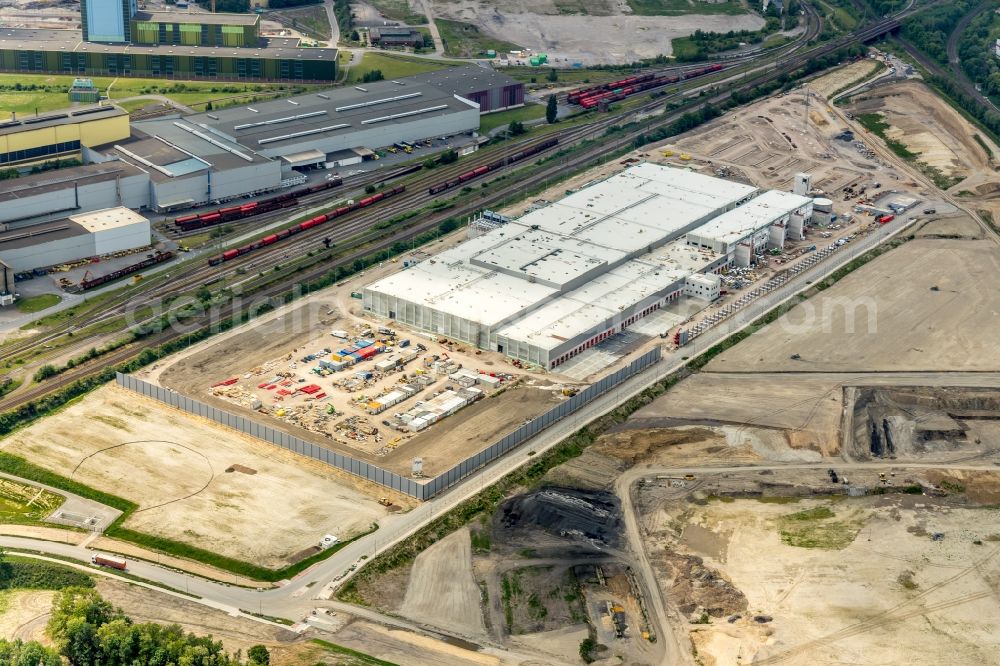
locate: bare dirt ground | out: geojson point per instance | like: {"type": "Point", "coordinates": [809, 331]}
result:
{"type": "Point", "coordinates": [891, 594]}
{"type": "Point", "coordinates": [624, 37]}
{"type": "Point", "coordinates": [806, 408]}
{"type": "Point", "coordinates": [442, 590]}
{"type": "Point", "coordinates": [472, 429]}
{"type": "Point", "coordinates": [835, 81]}
{"type": "Point", "coordinates": [949, 226]}
{"type": "Point", "coordinates": [46, 533]}
{"type": "Point", "coordinates": [173, 466]}
{"type": "Point", "coordinates": [927, 125]}
{"type": "Point", "coordinates": [404, 647]}
{"type": "Point", "coordinates": [24, 614]}
{"type": "Point", "coordinates": [928, 305]}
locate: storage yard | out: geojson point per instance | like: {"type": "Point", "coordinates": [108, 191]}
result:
{"type": "Point", "coordinates": [384, 397]}
{"type": "Point", "coordinates": [196, 482]}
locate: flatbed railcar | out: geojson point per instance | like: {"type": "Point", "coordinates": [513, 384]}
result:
{"type": "Point", "coordinates": [486, 168]}
{"type": "Point", "coordinates": [158, 258]}
{"type": "Point", "coordinates": [249, 209]}
{"type": "Point", "coordinates": [328, 216]}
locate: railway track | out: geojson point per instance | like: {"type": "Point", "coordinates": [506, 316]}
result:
{"type": "Point", "coordinates": [360, 226]}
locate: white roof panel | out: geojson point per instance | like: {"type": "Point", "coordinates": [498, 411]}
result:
{"type": "Point", "coordinates": [756, 214]}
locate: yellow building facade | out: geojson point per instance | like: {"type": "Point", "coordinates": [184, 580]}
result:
{"type": "Point", "coordinates": [59, 136]}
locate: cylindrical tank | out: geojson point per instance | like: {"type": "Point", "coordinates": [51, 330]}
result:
{"type": "Point", "coordinates": [822, 205]}
{"type": "Point", "coordinates": [820, 217]}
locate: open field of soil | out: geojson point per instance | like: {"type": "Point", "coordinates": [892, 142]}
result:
{"type": "Point", "coordinates": [852, 581]}
{"type": "Point", "coordinates": [927, 305]}
{"type": "Point", "coordinates": [565, 30]}
{"type": "Point", "coordinates": [24, 613]}
{"type": "Point", "coordinates": [175, 468]}
{"type": "Point", "coordinates": [926, 125]}
{"type": "Point", "coordinates": [807, 408]}
{"type": "Point", "coordinates": [836, 80]}
{"type": "Point", "coordinates": [442, 590]}
{"type": "Point", "coordinates": [948, 226]}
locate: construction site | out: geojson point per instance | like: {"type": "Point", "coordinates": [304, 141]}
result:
{"type": "Point", "coordinates": [547, 572]}
{"type": "Point", "coordinates": [346, 383]}
{"type": "Point", "coordinates": [822, 492]}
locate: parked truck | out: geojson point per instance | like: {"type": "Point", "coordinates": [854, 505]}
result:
{"type": "Point", "coordinates": [110, 561]}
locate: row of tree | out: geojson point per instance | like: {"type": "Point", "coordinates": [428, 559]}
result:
{"type": "Point", "coordinates": [89, 631]}
{"type": "Point", "coordinates": [928, 30]}
{"type": "Point", "coordinates": [975, 52]}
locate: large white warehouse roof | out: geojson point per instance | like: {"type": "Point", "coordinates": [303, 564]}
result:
{"type": "Point", "coordinates": [644, 205]}
{"type": "Point", "coordinates": [511, 270]}
{"type": "Point", "coordinates": [615, 292]}
{"type": "Point", "coordinates": [759, 212]}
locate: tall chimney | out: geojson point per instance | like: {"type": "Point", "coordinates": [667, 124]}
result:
{"type": "Point", "coordinates": [213, 6]}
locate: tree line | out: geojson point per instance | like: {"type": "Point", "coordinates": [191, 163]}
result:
{"type": "Point", "coordinates": [90, 631]}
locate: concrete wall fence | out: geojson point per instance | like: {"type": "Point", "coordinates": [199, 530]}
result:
{"type": "Point", "coordinates": [420, 489]}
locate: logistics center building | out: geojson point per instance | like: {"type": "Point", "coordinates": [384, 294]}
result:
{"type": "Point", "coordinates": [562, 278]}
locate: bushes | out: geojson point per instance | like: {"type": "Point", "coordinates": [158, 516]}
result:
{"type": "Point", "coordinates": [45, 372]}
{"type": "Point", "coordinates": [21, 573]}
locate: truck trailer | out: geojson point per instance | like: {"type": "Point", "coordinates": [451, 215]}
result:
{"type": "Point", "coordinates": [110, 561]}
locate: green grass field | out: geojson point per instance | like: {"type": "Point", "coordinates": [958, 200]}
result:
{"type": "Point", "coordinates": [395, 66]}
{"type": "Point", "coordinates": [464, 40]}
{"type": "Point", "coordinates": [503, 118]}
{"type": "Point", "coordinates": [49, 91]}
{"type": "Point", "coordinates": [37, 303]}
{"type": "Point", "coordinates": [20, 503]}
{"type": "Point", "coordinates": [679, 7]}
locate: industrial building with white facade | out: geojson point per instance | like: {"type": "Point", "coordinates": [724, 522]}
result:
{"type": "Point", "coordinates": [562, 278]}
{"type": "Point", "coordinates": [94, 234]}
